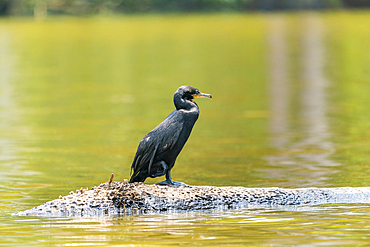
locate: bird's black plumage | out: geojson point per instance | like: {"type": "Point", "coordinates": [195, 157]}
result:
{"type": "Point", "coordinates": [158, 150]}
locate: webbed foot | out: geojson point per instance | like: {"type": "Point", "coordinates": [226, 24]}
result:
{"type": "Point", "coordinates": [170, 182]}
{"type": "Point", "coordinates": [173, 183]}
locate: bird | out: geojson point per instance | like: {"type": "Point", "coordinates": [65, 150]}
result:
{"type": "Point", "coordinates": [158, 150]}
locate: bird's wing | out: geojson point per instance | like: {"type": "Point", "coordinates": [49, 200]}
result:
{"type": "Point", "coordinates": [159, 140]}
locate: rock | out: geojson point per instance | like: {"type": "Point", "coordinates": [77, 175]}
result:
{"type": "Point", "coordinates": [129, 198]}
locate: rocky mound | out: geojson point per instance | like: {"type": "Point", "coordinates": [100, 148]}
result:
{"type": "Point", "coordinates": [127, 198]}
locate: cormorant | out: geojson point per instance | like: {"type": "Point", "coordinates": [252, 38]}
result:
{"type": "Point", "coordinates": [158, 150]}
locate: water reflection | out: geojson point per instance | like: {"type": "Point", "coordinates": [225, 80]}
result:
{"type": "Point", "coordinates": [299, 225]}
{"type": "Point", "coordinates": [304, 146]}
{"type": "Point", "coordinates": [6, 92]}
{"type": "Point", "coordinates": [8, 116]}
{"type": "Point", "coordinates": [279, 83]}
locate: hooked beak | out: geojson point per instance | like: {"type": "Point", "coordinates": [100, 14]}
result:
{"type": "Point", "coordinates": [202, 95]}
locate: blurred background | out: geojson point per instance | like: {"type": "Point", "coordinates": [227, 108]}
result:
{"type": "Point", "coordinates": [82, 81]}
{"type": "Point", "coordinates": [41, 8]}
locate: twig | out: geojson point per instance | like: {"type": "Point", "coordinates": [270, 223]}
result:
{"type": "Point", "coordinates": [111, 179]}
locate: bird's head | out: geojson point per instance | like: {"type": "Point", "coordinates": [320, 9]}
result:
{"type": "Point", "coordinates": [189, 93]}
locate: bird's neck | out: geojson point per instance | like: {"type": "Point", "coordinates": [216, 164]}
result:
{"type": "Point", "coordinates": [185, 104]}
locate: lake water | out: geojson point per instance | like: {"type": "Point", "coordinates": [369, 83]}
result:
{"type": "Point", "coordinates": [290, 109]}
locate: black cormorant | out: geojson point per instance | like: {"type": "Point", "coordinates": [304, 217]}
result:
{"type": "Point", "coordinates": [158, 150]}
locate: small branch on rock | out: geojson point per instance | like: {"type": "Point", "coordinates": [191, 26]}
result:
{"type": "Point", "coordinates": [111, 179]}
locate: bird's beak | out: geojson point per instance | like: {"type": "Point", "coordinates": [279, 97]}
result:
{"type": "Point", "coordinates": [202, 95]}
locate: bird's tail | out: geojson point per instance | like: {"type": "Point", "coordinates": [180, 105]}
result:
{"type": "Point", "coordinates": [138, 177]}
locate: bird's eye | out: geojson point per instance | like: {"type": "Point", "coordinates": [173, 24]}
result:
{"type": "Point", "coordinates": [196, 92]}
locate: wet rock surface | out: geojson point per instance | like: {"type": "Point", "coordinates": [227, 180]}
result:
{"type": "Point", "coordinates": [131, 198]}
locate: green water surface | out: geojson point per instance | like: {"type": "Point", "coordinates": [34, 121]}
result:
{"type": "Point", "coordinates": [290, 109]}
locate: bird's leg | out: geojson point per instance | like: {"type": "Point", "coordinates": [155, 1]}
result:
{"type": "Point", "coordinates": [161, 168]}
{"type": "Point", "coordinates": [169, 181]}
